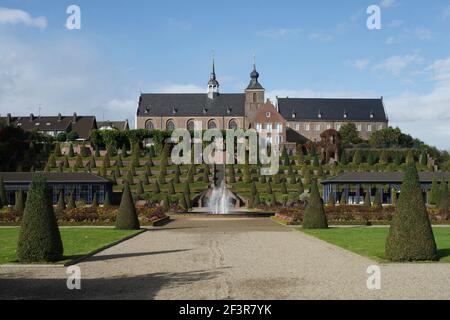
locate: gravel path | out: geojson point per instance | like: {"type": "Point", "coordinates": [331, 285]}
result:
{"type": "Point", "coordinates": [197, 258]}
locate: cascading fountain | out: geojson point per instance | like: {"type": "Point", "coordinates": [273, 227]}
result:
{"type": "Point", "coordinates": [220, 202]}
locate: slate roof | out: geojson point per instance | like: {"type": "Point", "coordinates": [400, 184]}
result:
{"type": "Point", "coordinates": [384, 177]}
{"type": "Point", "coordinates": [119, 125]}
{"type": "Point", "coordinates": [82, 126]}
{"type": "Point", "coordinates": [191, 105]}
{"type": "Point", "coordinates": [57, 177]}
{"type": "Point", "coordinates": [299, 109]}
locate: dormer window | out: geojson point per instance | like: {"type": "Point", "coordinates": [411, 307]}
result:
{"type": "Point", "coordinates": [372, 115]}
{"type": "Point", "coordinates": [268, 114]}
{"type": "Point", "coordinates": [174, 110]}
{"type": "Point", "coordinates": [345, 115]}
{"type": "Point", "coordinates": [228, 110]}
{"type": "Point", "coordinates": [294, 115]}
{"type": "Point", "coordinates": [147, 110]}
{"type": "Point", "coordinates": [205, 111]}
{"type": "Point", "coordinates": [320, 115]}
{"type": "Point", "coordinates": [48, 124]}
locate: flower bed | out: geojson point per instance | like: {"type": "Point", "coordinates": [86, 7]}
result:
{"type": "Point", "coordinates": [356, 215]}
{"type": "Point", "coordinates": [89, 216]}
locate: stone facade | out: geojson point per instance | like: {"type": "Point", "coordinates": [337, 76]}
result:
{"type": "Point", "coordinates": [313, 129]}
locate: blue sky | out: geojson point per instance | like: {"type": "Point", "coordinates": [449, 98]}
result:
{"type": "Point", "coordinates": [303, 48]}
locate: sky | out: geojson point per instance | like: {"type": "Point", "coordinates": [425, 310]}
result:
{"type": "Point", "coordinates": [319, 48]}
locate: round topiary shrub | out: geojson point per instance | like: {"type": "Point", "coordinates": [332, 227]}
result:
{"type": "Point", "coordinates": [411, 237]}
{"type": "Point", "coordinates": [39, 239]}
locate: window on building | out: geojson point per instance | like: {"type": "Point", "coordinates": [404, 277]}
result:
{"type": "Point", "coordinates": [191, 125]}
{"type": "Point", "coordinates": [255, 98]}
{"type": "Point", "coordinates": [380, 127]}
{"type": "Point", "coordinates": [318, 127]}
{"type": "Point", "coordinates": [170, 126]}
{"type": "Point", "coordinates": [359, 127]}
{"type": "Point", "coordinates": [149, 125]}
{"type": "Point", "coordinates": [328, 126]}
{"type": "Point", "coordinates": [212, 124]}
{"type": "Point", "coordinates": [369, 128]}
{"type": "Point", "coordinates": [279, 127]}
{"type": "Point", "coordinates": [338, 126]}
{"type": "Point", "coordinates": [297, 127]}
{"type": "Point", "coordinates": [268, 115]}
{"type": "Point", "coordinates": [232, 125]}
{"type": "Point", "coordinates": [269, 127]}
{"type": "Point", "coordinates": [258, 127]}
{"type": "Point", "coordinates": [307, 127]}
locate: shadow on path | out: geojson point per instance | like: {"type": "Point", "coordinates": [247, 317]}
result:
{"type": "Point", "coordinates": [143, 287]}
{"type": "Point", "coordinates": [130, 255]}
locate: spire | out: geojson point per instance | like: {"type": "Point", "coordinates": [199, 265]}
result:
{"type": "Point", "coordinates": [213, 84]}
{"type": "Point", "coordinates": [254, 76]}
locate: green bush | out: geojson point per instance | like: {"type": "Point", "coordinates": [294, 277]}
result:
{"type": "Point", "coordinates": [315, 217]}
{"type": "Point", "coordinates": [3, 198]}
{"type": "Point", "coordinates": [39, 239]}
{"type": "Point", "coordinates": [127, 218]}
{"type": "Point", "coordinates": [411, 237]}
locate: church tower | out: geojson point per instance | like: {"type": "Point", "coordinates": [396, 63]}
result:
{"type": "Point", "coordinates": [213, 84]}
{"type": "Point", "coordinates": [254, 94]}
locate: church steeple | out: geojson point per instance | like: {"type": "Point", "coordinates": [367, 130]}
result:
{"type": "Point", "coordinates": [254, 76]}
{"type": "Point", "coordinates": [213, 84]}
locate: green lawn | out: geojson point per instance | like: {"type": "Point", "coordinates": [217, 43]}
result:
{"type": "Point", "coordinates": [370, 242]}
{"type": "Point", "coordinates": [77, 242]}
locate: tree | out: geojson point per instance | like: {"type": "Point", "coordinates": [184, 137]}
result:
{"type": "Point", "coordinates": [434, 193]}
{"type": "Point", "coordinates": [411, 237]}
{"type": "Point", "coordinates": [367, 200]}
{"type": "Point", "coordinates": [349, 134]}
{"type": "Point", "coordinates": [61, 137]}
{"type": "Point", "coordinates": [72, 136]}
{"type": "Point", "coordinates": [176, 179]}
{"type": "Point", "coordinates": [39, 239]}
{"type": "Point", "coordinates": [20, 202]}
{"type": "Point", "coordinates": [231, 174]}
{"type": "Point", "coordinates": [71, 151]}
{"type": "Point", "coordinates": [444, 196]}
{"type": "Point", "coordinates": [357, 158]}
{"type": "Point", "coordinates": [58, 150]}
{"type": "Point", "coordinates": [246, 174]}
{"type": "Point", "coordinates": [206, 174]}
{"type": "Point", "coordinates": [3, 198]}
{"type": "Point", "coordinates": [378, 201]}
{"type": "Point", "coordinates": [315, 217]}
{"type": "Point", "coordinates": [410, 158]}
{"type": "Point", "coordinates": [165, 202]}
{"type": "Point", "coordinates": [331, 201]}
{"type": "Point", "coordinates": [156, 188]}
{"type": "Point", "coordinates": [107, 201]}
{"type": "Point", "coordinates": [384, 157]}
{"type": "Point", "coordinates": [284, 189]}
{"type": "Point", "coordinates": [269, 189]}
{"type": "Point", "coordinates": [424, 159]}
{"type": "Point", "coordinates": [95, 200]}
{"type": "Point", "coordinates": [71, 205]}
{"type": "Point", "coordinates": [343, 200]}
{"type": "Point", "coordinates": [343, 161]}
{"type": "Point", "coordinates": [300, 187]}
{"type": "Point", "coordinates": [79, 162]}
{"type": "Point", "coordinates": [171, 189]}
{"type": "Point", "coordinates": [140, 188]}
{"type": "Point", "coordinates": [127, 218]}
{"type": "Point", "coordinates": [106, 161]}
{"type": "Point", "coordinates": [61, 206]}
{"type": "Point", "coordinates": [285, 156]}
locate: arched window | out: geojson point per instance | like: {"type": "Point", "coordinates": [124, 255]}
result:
{"type": "Point", "coordinates": [149, 125]}
{"type": "Point", "coordinates": [212, 124]}
{"type": "Point", "coordinates": [170, 126]}
{"type": "Point", "coordinates": [191, 125]}
{"type": "Point", "coordinates": [233, 125]}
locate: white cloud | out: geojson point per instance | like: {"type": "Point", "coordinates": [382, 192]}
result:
{"type": "Point", "coordinates": [423, 34]}
{"type": "Point", "coordinates": [15, 16]}
{"type": "Point", "coordinates": [321, 37]}
{"type": "Point", "coordinates": [178, 88]}
{"type": "Point", "coordinates": [61, 78]}
{"type": "Point", "coordinates": [446, 12]}
{"type": "Point", "coordinates": [427, 115]}
{"type": "Point", "coordinates": [388, 3]}
{"type": "Point", "coordinates": [396, 64]}
{"type": "Point", "coordinates": [278, 33]}
{"type": "Point", "coordinates": [360, 64]}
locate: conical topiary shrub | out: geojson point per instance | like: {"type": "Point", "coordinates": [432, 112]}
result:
{"type": "Point", "coordinates": [107, 201]}
{"type": "Point", "coordinates": [444, 197]}
{"type": "Point", "coordinates": [127, 218]}
{"type": "Point", "coordinates": [378, 201]}
{"type": "Point", "coordinates": [95, 200]}
{"type": "Point", "coordinates": [315, 217]}
{"type": "Point", "coordinates": [411, 237]}
{"type": "Point", "coordinates": [39, 239]}
{"type": "Point", "coordinates": [20, 202]}
{"type": "Point", "coordinates": [331, 200]}
{"type": "Point", "coordinates": [61, 206]}
{"type": "Point", "coordinates": [71, 204]}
